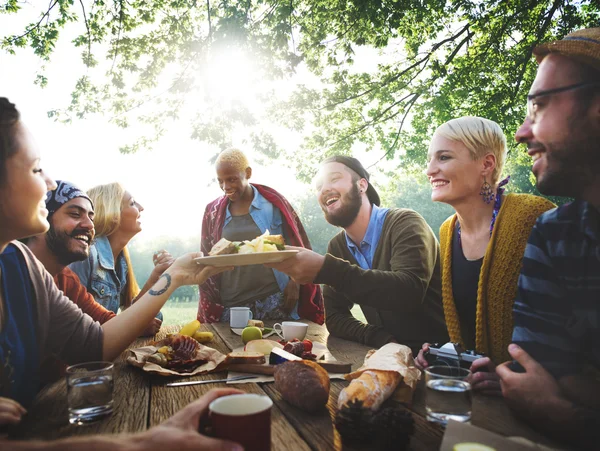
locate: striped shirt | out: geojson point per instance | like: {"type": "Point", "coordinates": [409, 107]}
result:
{"type": "Point", "coordinates": [556, 313]}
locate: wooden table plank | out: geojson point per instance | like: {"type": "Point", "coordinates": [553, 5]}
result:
{"type": "Point", "coordinates": [48, 417]}
{"type": "Point", "coordinates": [165, 401]}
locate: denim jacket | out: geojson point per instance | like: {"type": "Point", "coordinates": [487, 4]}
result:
{"type": "Point", "coordinates": [101, 277]}
{"type": "Point", "coordinates": [266, 217]}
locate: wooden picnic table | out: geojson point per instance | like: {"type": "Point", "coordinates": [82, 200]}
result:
{"type": "Point", "coordinates": [142, 400]}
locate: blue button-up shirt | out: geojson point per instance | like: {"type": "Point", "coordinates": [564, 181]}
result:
{"type": "Point", "coordinates": [101, 276]}
{"type": "Point", "coordinates": [366, 250]}
{"type": "Point", "coordinates": [266, 217]}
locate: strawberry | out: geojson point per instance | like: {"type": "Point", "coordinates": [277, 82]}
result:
{"type": "Point", "coordinates": [307, 345]}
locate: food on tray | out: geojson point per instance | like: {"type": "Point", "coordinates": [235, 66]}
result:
{"type": "Point", "coordinates": [256, 323]}
{"type": "Point", "coordinates": [251, 333]}
{"type": "Point", "coordinates": [190, 328]}
{"type": "Point", "coordinates": [264, 346]}
{"type": "Point", "coordinates": [177, 352]}
{"type": "Point", "coordinates": [246, 357]}
{"type": "Point", "coordinates": [303, 384]}
{"type": "Point", "coordinates": [225, 247]}
{"type": "Point", "coordinates": [299, 348]}
{"type": "Point", "coordinates": [262, 243]}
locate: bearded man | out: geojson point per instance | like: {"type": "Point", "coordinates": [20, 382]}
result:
{"type": "Point", "coordinates": [554, 382]}
{"type": "Point", "coordinates": [71, 215]}
{"type": "Point", "coordinates": [387, 260]}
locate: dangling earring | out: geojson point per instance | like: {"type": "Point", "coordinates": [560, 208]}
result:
{"type": "Point", "coordinates": [486, 192]}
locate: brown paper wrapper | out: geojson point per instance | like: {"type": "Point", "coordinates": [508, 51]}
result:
{"type": "Point", "coordinates": [391, 357]}
{"type": "Point", "coordinates": [138, 358]}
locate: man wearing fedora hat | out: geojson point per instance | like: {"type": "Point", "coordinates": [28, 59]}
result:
{"type": "Point", "coordinates": [387, 260]}
{"type": "Point", "coordinates": [554, 381]}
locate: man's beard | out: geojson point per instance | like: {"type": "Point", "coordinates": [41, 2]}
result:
{"type": "Point", "coordinates": [58, 244]}
{"type": "Point", "coordinates": [346, 214]}
{"type": "Point", "coordinates": [572, 166]}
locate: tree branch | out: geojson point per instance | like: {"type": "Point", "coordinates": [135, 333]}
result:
{"type": "Point", "coordinates": [529, 54]}
{"type": "Point", "coordinates": [408, 108]}
{"type": "Point", "coordinates": [36, 26]}
{"type": "Point", "coordinates": [87, 26]}
{"type": "Point", "coordinates": [395, 77]}
{"type": "Point", "coordinates": [208, 14]}
{"type": "Point", "coordinates": [118, 36]}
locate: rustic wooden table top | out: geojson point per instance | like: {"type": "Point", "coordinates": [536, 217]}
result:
{"type": "Point", "coordinates": [142, 401]}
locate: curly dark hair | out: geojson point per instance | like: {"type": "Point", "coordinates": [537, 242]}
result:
{"type": "Point", "coordinates": [9, 118]}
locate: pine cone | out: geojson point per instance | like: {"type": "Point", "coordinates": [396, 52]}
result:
{"type": "Point", "coordinates": [394, 426]}
{"type": "Point", "coordinates": [355, 424]}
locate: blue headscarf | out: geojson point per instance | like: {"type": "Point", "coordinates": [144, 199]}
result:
{"type": "Point", "coordinates": [64, 192]}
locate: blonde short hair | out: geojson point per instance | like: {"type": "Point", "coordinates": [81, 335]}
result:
{"type": "Point", "coordinates": [481, 136]}
{"type": "Point", "coordinates": [108, 201]}
{"type": "Point", "coordinates": [234, 157]}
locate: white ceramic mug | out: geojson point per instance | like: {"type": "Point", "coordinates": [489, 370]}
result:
{"type": "Point", "coordinates": [288, 330]}
{"type": "Point", "coordinates": [239, 316]}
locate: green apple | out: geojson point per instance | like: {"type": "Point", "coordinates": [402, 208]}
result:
{"type": "Point", "coordinates": [251, 333]}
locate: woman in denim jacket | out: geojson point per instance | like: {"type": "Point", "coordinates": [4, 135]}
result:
{"type": "Point", "coordinates": [107, 273]}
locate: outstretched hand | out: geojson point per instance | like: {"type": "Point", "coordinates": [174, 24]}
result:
{"type": "Point", "coordinates": [186, 271]}
{"type": "Point", "coordinates": [303, 267]}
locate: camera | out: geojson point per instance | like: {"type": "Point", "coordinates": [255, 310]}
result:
{"type": "Point", "coordinates": [451, 354]}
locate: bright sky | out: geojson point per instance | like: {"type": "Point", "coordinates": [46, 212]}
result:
{"type": "Point", "coordinates": [173, 182]}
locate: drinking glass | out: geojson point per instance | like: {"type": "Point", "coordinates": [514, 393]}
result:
{"type": "Point", "coordinates": [89, 391]}
{"type": "Point", "coordinates": [448, 394]}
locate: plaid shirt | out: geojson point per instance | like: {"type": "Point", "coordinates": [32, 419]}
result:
{"type": "Point", "coordinates": [557, 311]}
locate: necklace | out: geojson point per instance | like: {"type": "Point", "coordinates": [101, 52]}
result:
{"type": "Point", "coordinates": [497, 205]}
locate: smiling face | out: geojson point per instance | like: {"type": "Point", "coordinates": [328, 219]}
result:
{"type": "Point", "coordinates": [454, 175]}
{"type": "Point", "coordinates": [71, 231]}
{"type": "Point", "coordinates": [339, 194]}
{"type": "Point", "coordinates": [233, 181]}
{"type": "Point", "coordinates": [130, 215]}
{"type": "Point", "coordinates": [23, 210]}
{"type": "Point", "coordinates": [563, 141]}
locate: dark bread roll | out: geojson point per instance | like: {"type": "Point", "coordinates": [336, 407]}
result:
{"type": "Point", "coordinates": [303, 384]}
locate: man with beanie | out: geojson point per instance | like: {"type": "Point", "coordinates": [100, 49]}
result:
{"type": "Point", "coordinates": [387, 260]}
{"type": "Point", "coordinates": [554, 381]}
{"type": "Point", "coordinates": [70, 214]}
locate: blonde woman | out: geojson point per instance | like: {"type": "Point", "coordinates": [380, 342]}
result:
{"type": "Point", "coordinates": [482, 245]}
{"type": "Point", "coordinates": [108, 273]}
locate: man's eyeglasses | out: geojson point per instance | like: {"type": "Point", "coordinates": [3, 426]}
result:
{"type": "Point", "coordinates": [532, 106]}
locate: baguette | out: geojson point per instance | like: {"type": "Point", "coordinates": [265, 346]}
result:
{"type": "Point", "coordinates": [372, 388]}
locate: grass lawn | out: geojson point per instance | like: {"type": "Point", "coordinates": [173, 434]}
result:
{"type": "Point", "coordinates": [184, 312]}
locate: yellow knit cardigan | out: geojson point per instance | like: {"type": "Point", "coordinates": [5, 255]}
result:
{"type": "Point", "coordinates": [499, 274]}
